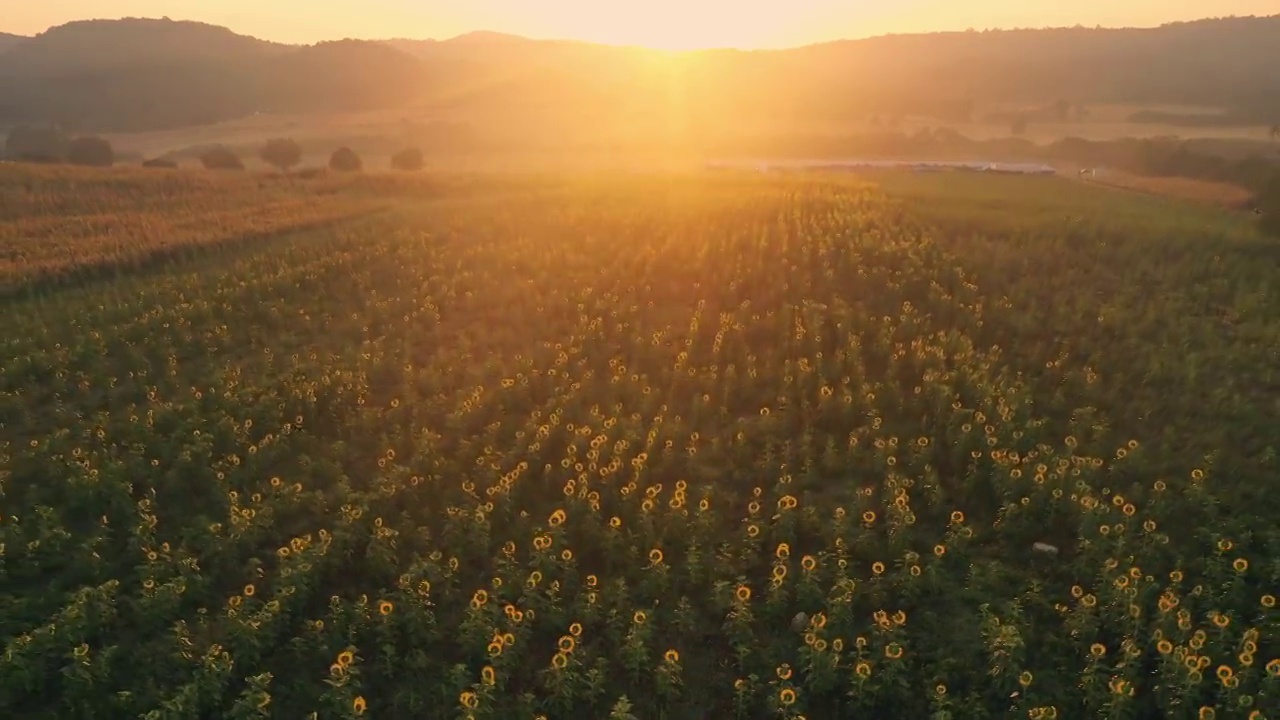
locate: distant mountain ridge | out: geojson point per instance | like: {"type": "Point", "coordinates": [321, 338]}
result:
{"type": "Point", "coordinates": [138, 74]}
{"type": "Point", "coordinates": [105, 45]}
{"type": "Point", "coordinates": [141, 74]}
{"type": "Point", "coordinates": [8, 40]}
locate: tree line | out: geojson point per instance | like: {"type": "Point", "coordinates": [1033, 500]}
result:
{"type": "Point", "coordinates": [49, 145]}
{"type": "Point", "coordinates": [1167, 157]}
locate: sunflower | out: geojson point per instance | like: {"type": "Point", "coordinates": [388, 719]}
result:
{"type": "Point", "coordinates": [671, 656]}
{"type": "Point", "coordinates": [345, 658]}
{"type": "Point", "coordinates": [469, 700]}
{"type": "Point", "coordinates": [567, 644]}
{"type": "Point", "coordinates": [385, 607]}
{"type": "Point", "coordinates": [1240, 565]}
{"type": "Point", "coordinates": [575, 629]}
{"type": "Point", "coordinates": [809, 563]}
{"type": "Point", "coordinates": [1097, 650]}
{"type": "Point", "coordinates": [743, 593]}
{"type": "Point", "coordinates": [655, 556]}
{"type": "Point", "coordinates": [488, 676]}
{"type": "Point", "coordinates": [893, 651]}
{"type": "Point", "coordinates": [358, 705]}
{"type": "Point", "coordinates": [787, 696]}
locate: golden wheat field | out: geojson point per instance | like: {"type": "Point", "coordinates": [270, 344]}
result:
{"type": "Point", "coordinates": [675, 446]}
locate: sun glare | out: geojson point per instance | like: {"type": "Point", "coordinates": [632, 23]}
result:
{"type": "Point", "coordinates": [673, 26]}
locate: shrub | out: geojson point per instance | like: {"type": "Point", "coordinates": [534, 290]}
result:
{"type": "Point", "coordinates": [91, 151]}
{"type": "Point", "coordinates": [408, 159]}
{"type": "Point", "coordinates": [221, 158]}
{"type": "Point", "coordinates": [36, 144]}
{"type": "Point", "coordinates": [283, 153]}
{"type": "Point", "coordinates": [159, 163]}
{"type": "Point", "coordinates": [345, 159]}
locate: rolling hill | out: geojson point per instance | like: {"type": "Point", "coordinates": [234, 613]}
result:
{"type": "Point", "coordinates": [138, 74]}
{"type": "Point", "coordinates": [145, 74]}
{"type": "Point", "coordinates": [8, 41]}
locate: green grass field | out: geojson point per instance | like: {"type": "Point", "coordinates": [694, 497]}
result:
{"type": "Point", "coordinates": [667, 446]}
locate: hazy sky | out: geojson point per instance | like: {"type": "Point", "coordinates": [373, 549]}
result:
{"type": "Point", "coordinates": [661, 23]}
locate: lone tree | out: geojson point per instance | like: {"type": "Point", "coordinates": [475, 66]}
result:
{"type": "Point", "coordinates": [38, 144]}
{"type": "Point", "coordinates": [220, 158]}
{"type": "Point", "coordinates": [283, 153]}
{"type": "Point", "coordinates": [409, 159]}
{"type": "Point", "coordinates": [344, 159]}
{"type": "Point", "coordinates": [91, 151]}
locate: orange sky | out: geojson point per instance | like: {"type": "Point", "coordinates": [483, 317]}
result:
{"type": "Point", "coordinates": [659, 23]}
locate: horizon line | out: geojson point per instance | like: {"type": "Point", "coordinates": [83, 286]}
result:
{"type": "Point", "coordinates": [633, 46]}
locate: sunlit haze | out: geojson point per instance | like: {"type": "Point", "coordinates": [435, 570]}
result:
{"type": "Point", "coordinates": [673, 24]}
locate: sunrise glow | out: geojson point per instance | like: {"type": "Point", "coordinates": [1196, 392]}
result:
{"type": "Point", "coordinates": [666, 24]}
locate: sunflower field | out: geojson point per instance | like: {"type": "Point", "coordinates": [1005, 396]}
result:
{"type": "Point", "coordinates": [668, 447]}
